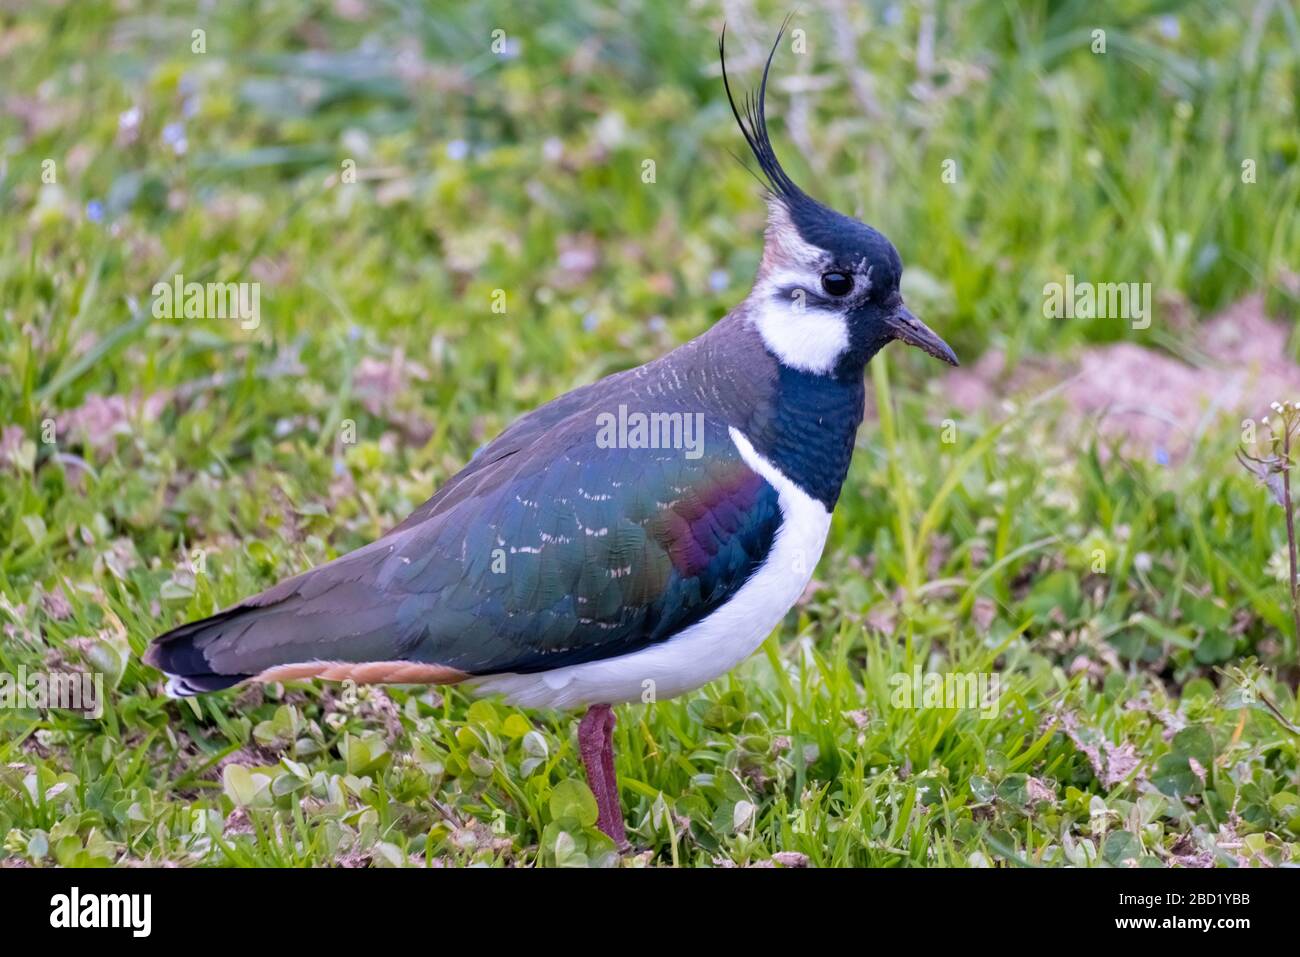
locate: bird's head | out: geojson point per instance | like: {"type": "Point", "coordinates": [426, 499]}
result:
{"type": "Point", "coordinates": [826, 297]}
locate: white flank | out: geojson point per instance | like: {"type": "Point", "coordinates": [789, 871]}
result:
{"type": "Point", "coordinates": [708, 648]}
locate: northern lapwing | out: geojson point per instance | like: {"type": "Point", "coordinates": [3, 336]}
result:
{"type": "Point", "coordinates": [632, 539]}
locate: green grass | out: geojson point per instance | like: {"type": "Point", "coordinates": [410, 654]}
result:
{"type": "Point", "coordinates": [1148, 710]}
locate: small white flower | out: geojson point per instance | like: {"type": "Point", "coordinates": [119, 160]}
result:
{"type": "Point", "coordinates": [1279, 566]}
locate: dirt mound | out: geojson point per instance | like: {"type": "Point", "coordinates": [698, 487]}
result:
{"type": "Point", "coordinates": [1152, 402]}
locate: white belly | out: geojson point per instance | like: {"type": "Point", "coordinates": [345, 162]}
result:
{"type": "Point", "coordinates": [709, 648]}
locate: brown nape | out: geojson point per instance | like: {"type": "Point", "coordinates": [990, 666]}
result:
{"type": "Point", "coordinates": [366, 672]}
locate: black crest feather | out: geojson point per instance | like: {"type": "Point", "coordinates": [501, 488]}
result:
{"type": "Point", "coordinates": [848, 239]}
{"type": "Point", "coordinates": [753, 124]}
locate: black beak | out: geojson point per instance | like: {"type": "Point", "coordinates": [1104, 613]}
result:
{"type": "Point", "coordinates": [905, 327]}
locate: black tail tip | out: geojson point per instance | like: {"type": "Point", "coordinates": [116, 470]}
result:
{"type": "Point", "coordinates": [187, 671]}
{"type": "Point", "coordinates": [187, 686]}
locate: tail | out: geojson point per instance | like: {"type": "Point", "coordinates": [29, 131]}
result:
{"type": "Point", "coordinates": [179, 654]}
{"type": "Point", "coordinates": [338, 621]}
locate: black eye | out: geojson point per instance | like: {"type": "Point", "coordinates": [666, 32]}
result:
{"type": "Point", "coordinates": [837, 283]}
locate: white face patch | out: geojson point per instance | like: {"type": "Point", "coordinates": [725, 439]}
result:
{"type": "Point", "coordinates": [804, 338]}
{"type": "Point", "coordinates": [800, 333]}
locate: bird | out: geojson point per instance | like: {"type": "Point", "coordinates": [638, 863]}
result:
{"type": "Point", "coordinates": [630, 540]}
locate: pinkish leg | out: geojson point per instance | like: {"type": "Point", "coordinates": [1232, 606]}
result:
{"type": "Point", "coordinates": [596, 742]}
